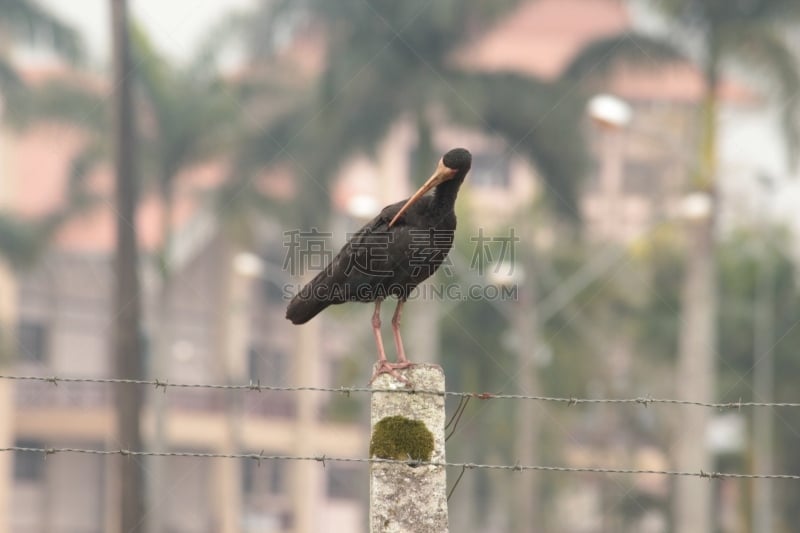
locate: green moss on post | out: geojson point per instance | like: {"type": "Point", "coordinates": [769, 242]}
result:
{"type": "Point", "coordinates": [408, 427]}
{"type": "Point", "coordinates": [398, 437]}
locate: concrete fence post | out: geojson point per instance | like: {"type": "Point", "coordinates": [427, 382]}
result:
{"type": "Point", "coordinates": [408, 499]}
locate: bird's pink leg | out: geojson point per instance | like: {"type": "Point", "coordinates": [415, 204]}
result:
{"type": "Point", "coordinates": [384, 366]}
{"type": "Point", "coordinates": [376, 329]}
{"type": "Point", "coordinates": [398, 342]}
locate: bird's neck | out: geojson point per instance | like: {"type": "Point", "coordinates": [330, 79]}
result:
{"type": "Point", "coordinates": [444, 196]}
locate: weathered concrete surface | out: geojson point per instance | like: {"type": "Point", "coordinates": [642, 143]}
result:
{"type": "Point", "coordinates": [406, 499]}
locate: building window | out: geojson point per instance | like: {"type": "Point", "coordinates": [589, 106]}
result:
{"type": "Point", "coordinates": [28, 466]}
{"type": "Point", "coordinates": [33, 340]}
{"type": "Point", "coordinates": [344, 482]}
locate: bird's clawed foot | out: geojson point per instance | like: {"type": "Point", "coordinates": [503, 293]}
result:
{"type": "Point", "coordinates": [385, 367]}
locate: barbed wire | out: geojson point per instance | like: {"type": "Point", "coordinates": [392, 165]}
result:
{"type": "Point", "coordinates": [260, 456]}
{"type": "Point", "coordinates": [258, 387]}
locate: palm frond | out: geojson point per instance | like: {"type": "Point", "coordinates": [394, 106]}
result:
{"type": "Point", "coordinates": [28, 19]}
{"type": "Point", "coordinates": [227, 32]}
{"type": "Point", "coordinates": [704, 14]}
{"type": "Point", "coordinates": [153, 74]}
{"type": "Point", "coordinates": [541, 121]}
{"type": "Point", "coordinates": [237, 203]}
{"type": "Point", "coordinates": [60, 101]}
{"type": "Point", "coordinates": [20, 241]}
{"type": "Point", "coordinates": [80, 168]}
{"type": "Point", "coordinates": [601, 57]}
{"type": "Point", "coordinates": [10, 82]}
{"type": "Point", "coordinates": [318, 135]}
{"type": "Point", "coordinates": [195, 113]}
{"type": "Point", "coordinates": [261, 31]}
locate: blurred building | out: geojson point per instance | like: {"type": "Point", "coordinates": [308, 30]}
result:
{"type": "Point", "coordinates": [642, 160]}
{"type": "Point", "coordinates": [222, 324]}
{"type": "Point", "coordinates": [644, 156]}
{"type": "Point", "coordinates": [225, 324]}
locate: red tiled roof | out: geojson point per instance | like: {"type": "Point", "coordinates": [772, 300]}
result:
{"type": "Point", "coordinates": [541, 37]}
{"type": "Point", "coordinates": [36, 176]}
{"type": "Point", "coordinates": [95, 231]}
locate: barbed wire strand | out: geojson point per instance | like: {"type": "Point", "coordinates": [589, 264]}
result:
{"type": "Point", "coordinates": [258, 387]}
{"type": "Point", "coordinates": [259, 457]}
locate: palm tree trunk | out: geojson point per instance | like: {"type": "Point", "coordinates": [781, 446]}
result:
{"type": "Point", "coordinates": [159, 366]}
{"type": "Point", "coordinates": [126, 311]}
{"type": "Point", "coordinates": [526, 516]}
{"type": "Point", "coordinates": [697, 342]}
{"type": "Point", "coordinates": [763, 386]}
{"type": "Point", "coordinates": [233, 344]}
{"type": "Point", "coordinates": [8, 321]}
{"type": "Point", "coordinates": [695, 380]}
{"type": "Point", "coordinates": [307, 354]}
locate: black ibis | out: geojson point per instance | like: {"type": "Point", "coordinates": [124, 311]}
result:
{"type": "Point", "coordinates": [392, 254]}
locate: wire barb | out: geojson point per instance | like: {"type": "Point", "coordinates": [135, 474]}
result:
{"type": "Point", "coordinates": [250, 386]}
{"type": "Point", "coordinates": [517, 467]}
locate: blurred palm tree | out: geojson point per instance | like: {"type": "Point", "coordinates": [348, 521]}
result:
{"type": "Point", "coordinates": [196, 117]}
{"type": "Point", "coordinates": [752, 34]}
{"type": "Point", "coordinates": [126, 339]}
{"type": "Point", "coordinates": [21, 242]}
{"type": "Point", "coordinates": [389, 60]}
{"type": "Point", "coordinates": [186, 115]}
{"type": "Point", "coordinates": [28, 21]}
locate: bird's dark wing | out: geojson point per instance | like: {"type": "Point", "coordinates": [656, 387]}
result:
{"type": "Point", "coordinates": [352, 273]}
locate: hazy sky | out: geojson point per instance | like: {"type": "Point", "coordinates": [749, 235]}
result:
{"type": "Point", "coordinates": [175, 25]}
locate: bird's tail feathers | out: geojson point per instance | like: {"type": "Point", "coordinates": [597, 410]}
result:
{"type": "Point", "coordinates": [305, 306]}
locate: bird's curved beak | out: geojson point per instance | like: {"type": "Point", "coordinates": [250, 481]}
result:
{"type": "Point", "coordinates": [442, 174]}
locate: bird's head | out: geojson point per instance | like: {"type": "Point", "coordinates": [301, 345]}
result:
{"type": "Point", "coordinates": [453, 165]}
{"type": "Point", "coordinates": [457, 159]}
